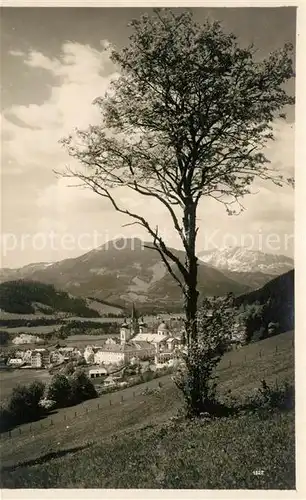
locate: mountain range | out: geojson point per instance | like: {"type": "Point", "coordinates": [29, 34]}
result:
{"type": "Point", "coordinates": [126, 271]}
{"type": "Point", "coordinates": [242, 259]}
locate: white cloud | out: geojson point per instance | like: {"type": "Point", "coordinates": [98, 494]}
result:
{"type": "Point", "coordinates": [30, 142]}
{"type": "Point", "coordinates": [82, 73]}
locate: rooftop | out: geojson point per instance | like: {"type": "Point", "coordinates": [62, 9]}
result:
{"type": "Point", "coordinates": [149, 337]}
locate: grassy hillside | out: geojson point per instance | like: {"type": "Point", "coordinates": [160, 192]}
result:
{"type": "Point", "coordinates": [28, 297]}
{"type": "Point", "coordinates": [128, 444]}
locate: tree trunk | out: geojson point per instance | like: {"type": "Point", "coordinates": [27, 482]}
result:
{"type": "Point", "coordinates": [191, 262]}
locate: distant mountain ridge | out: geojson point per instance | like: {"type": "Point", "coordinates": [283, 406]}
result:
{"type": "Point", "coordinates": [124, 271]}
{"type": "Point", "coordinates": [242, 259]}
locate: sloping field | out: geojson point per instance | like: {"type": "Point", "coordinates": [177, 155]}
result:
{"type": "Point", "coordinates": [97, 420]}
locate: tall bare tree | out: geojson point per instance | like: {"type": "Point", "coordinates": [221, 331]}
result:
{"type": "Point", "coordinates": [188, 117]}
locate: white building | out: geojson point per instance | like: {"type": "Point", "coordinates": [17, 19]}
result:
{"type": "Point", "coordinates": [15, 362]}
{"type": "Point", "coordinates": [89, 353]}
{"type": "Point", "coordinates": [109, 381]}
{"type": "Point", "coordinates": [40, 358]}
{"type": "Point", "coordinates": [57, 357]}
{"type": "Point", "coordinates": [25, 338]}
{"type": "Point", "coordinates": [97, 372]}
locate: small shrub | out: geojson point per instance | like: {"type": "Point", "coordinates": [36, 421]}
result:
{"type": "Point", "coordinates": [268, 399]}
{"type": "Point", "coordinates": [47, 404]}
{"type": "Point", "coordinates": [259, 334]}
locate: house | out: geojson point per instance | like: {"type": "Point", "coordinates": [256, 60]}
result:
{"type": "Point", "coordinates": [67, 352]}
{"type": "Point", "coordinates": [57, 357]}
{"type": "Point", "coordinates": [109, 381]}
{"type": "Point", "coordinates": [111, 354]}
{"type": "Point", "coordinates": [172, 343]}
{"type": "Point", "coordinates": [123, 353]}
{"type": "Point", "coordinates": [97, 372]}
{"type": "Point", "coordinates": [25, 338]}
{"type": "Point", "coordinates": [143, 349]}
{"type": "Point", "coordinates": [89, 353]}
{"type": "Point", "coordinates": [112, 341]}
{"type": "Point", "coordinates": [40, 358]}
{"type": "Point", "coordinates": [15, 362]}
{"type": "Point", "coordinates": [27, 356]}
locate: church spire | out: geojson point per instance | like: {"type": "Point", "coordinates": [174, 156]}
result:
{"type": "Point", "coordinates": [134, 312]}
{"type": "Point", "coordinates": [135, 324]}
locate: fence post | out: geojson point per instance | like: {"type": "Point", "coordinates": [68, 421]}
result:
{"type": "Point", "coordinates": [51, 423]}
{"type": "Point", "coordinates": [98, 406]}
{"type": "Point", "coordinates": [230, 363]}
{"type": "Point", "coordinates": [75, 414]}
{"type": "Point", "coordinates": [159, 384]}
{"type": "Point", "coordinates": [122, 399]}
{"type": "Point", "coordinates": [110, 402]}
{"type": "Point", "coordinates": [260, 354]}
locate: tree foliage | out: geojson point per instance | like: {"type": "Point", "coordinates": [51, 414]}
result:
{"type": "Point", "coordinates": [188, 116]}
{"type": "Point", "coordinates": [24, 404]}
{"type": "Point", "coordinates": [59, 390]}
{"type": "Point", "coordinates": [70, 389]}
{"type": "Point", "coordinates": [197, 378]}
{"type": "Point", "coordinates": [253, 317]}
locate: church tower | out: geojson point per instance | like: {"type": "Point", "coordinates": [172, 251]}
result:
{"type": "Point", "coordinates": [134, 322]}
{"type": "Point", "coordinates": [124, 333]}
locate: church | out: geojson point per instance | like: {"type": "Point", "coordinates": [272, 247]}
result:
{"type": "Point", "coordinates": [137, 342]}
{"type": "Point", "coordinates": [136, 333]}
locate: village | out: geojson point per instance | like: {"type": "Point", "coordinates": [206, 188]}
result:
{"type": "Point", "coordinates": [136, 346]}
{"type": "Point", "coordinates": [135, 343]}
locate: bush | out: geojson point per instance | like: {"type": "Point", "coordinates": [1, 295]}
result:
{"type": "Point", "coordinates": [68, 369]}
{"type": "Point", "coordinates": [4, 337]}
{"type": "Point", "coordinates": [259, 334]}
{"type": "Point", "coordinates": [5, 419]}
{"type": "Point", "coordinates": [81, 388]}
{"type": "Point", "coordinates": [59, 391]}
{"type": "Point", "coordinates": [47, 404]}
{"type": "Point", "coordinates": [196, 377]}
{"type": "Point", "coordinates": [268, 399]}
{"type": "Point", "coordinates": [24, 404]}
{"type": "Point", "coordinates": [273, 328]}
{"type": "Point", "coordinates": [70, 390]}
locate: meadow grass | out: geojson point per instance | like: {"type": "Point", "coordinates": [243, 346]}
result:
{"type": "Point", "coordinates": [226, 453]}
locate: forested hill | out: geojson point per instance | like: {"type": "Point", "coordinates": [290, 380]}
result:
{"type": "Point", "coordinates": [278, 295]}
{"type": "Point", "coordinates": [30, 297]}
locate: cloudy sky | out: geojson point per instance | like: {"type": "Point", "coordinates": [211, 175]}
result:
{"type": "Point", "coordinates": [53, 67]}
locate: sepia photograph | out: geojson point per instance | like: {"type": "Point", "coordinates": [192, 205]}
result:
{"type": "Point", "coordinates": [147, 304]}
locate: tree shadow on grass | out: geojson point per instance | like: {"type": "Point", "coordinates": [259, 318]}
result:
{"type": "Point", "coordinates": [43, 459]}
{"type": "Point", "coordinates": [7, 426]}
